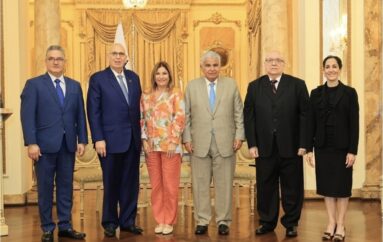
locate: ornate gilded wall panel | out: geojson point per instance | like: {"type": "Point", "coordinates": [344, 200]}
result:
{"type": "Point", "coordinates": [221, 40]}
{"type": "Point", "coordinates": [222, 34]}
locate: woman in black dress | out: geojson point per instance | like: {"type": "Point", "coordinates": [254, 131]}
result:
{"type": "Point", "coordinates": [334, 134]}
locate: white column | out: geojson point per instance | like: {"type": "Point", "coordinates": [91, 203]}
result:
{"type": "Point", "coordinates": [4, 114]}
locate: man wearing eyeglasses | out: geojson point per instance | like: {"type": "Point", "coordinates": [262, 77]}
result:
{"type": "Point", "coordinates": [54, 128]}
{"type": "Point", "coordinates": [275, 114]}
{"type": "Point", "coordinates": [113, 107]}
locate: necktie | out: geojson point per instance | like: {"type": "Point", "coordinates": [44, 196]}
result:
{"type": "Point", "coordinates": [274, 87]}
{"type": "Point", "coordinates": [123, 87]}
{"type": "Point", "coordinates": [60, 92]}
{"type": "Point", "coordinates": [212, 96]}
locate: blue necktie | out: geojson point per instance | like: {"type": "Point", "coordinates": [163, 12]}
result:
{"type": "Point", "coordinates": [123, 87]}
{"type": "Point", "coordinates": [212, 96]}
{"type": "Point", "coordinates": [60, 92]}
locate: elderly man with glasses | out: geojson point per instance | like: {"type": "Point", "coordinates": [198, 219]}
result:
{"type": "Point", "coordinates": [113, 107]}
{"type": "Point", "coordinates": [275, 113]}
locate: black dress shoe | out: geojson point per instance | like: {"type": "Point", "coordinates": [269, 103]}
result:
{"type": "Point", "coordinates": [292, 231]}
{"type": "Point", "coordinates": [110, 231]}
{"type": "Point", "coordinates": [201, 229]}
{"type": "Point", "coordinates": [263, 230]}
{"type": "Point", "coordinates": [132, 229]}
{"type": "Point", "coordinates": [47, 236]}
{"type": "Point", "coordinates": [71, 233]}
{"type": "Point", "coordinates": [223, 229]}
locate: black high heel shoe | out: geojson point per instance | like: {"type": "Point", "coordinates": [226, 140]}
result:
{"type": "Point", "coordinates": [328, 236]}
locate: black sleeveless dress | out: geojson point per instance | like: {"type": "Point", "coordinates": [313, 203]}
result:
{"type": "Point", "coordinates": [332, 177]}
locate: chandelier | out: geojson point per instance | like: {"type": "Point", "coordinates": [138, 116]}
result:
{"type": "Point", "coordinates": [134, 3]}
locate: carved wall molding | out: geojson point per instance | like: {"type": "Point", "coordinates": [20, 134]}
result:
{"type": "Point", "coordinates": [216, 18]}
{"type": "Point", "coordinates": [221, 3]}
{"type": "Point", "coordinates": [117, 4]}
{"type": "Point", "coordinates": [15, 199]}
{"type": "Point", "coordinates": [370, 191]}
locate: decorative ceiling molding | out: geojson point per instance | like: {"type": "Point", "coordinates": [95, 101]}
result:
{"type": "Point", "coordinates": [216, 18]}
{"type": "Point", "coordinates": [120, 2]}
{"type": "Point", "coordinates": [220, 3]}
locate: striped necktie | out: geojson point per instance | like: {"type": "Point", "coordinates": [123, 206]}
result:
{"type": "Point", "coordinates": [274, 87]}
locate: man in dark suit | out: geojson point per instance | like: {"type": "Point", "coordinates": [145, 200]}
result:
{"type": "Point", "coordinates": [113, 107]}
{"type": "Point", "coordinates": [54, 128]}
{"type": "Point", "coordinates": [275, 113]}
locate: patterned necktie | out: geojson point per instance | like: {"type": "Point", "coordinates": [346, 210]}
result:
{"type": "Point", "coordinates": [124, 89]}
{"type": "Point", "coordinates": [60, 92]}
{"type": "Point", "coordinates": [274, 87]}
{"type": "Point", "coordinates": [212, 96]}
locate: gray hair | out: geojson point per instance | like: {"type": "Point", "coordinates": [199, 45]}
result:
{"type": "Point", "coordinates": [55, 47]}
{"type": "Point", "coordinates": [210, 54]}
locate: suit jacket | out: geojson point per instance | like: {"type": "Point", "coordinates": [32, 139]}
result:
{"type": "Point", "coordinates": [45, 121]}
{"type": "Point", "coordinates": [226, 120]}
{"type": "Point", "coordinates": [110, 117]}
{"type": "Point", "coordinates": [284, 114]}
{"type": "Point", "coordinates": [346, 114]}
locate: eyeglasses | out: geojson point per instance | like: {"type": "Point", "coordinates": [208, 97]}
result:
{"type": "Point", "coordinates": [276, 60]}
{"type": "Point", "coordinates": [58, 59]}
{"type": "Point", "coordinates": [117, 54]}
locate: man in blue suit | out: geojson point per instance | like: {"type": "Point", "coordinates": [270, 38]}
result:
{"type": "Point", "coordinates": [54, 128]}
{"type": "Point", "coordinates": [113, 107]}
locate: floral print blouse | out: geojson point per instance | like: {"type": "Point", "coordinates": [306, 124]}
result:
{"type": "Point", "coordinates": [163, 120]}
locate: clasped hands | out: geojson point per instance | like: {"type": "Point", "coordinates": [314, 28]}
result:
{"type": "Point", "coordinates": [350, 159]}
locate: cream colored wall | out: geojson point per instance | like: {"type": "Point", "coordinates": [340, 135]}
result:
{"type": "Point", "coordinates": [306, 63]}
{"type": "Point", "coordinates": [16, 54]}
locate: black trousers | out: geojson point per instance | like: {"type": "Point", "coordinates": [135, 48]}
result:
{"type": "Point", "coordinates": [276, 172]}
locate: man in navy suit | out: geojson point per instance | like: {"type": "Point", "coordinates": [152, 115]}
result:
{"type": "Point", "coordinates": [54, 128]}
{"type": "Point", "coordinates": [113, 107]}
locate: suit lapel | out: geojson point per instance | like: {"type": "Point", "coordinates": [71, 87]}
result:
{"type": "Point", "coordinates": [219, 92]}
{"type": "Point", "coordinates": [282, 85]}
{"type": "Point", "coordinates": [114, 83]}
{"type": "Point", "coordinates": [204, 95]}
{"type": "Point", "coordinates": [51, 88]}
{"type": "Point", "coordinates": [266, 86]}
{"type": "Point", "coordinates": [129, 84]}
{"type": "Point", "coordinates": [339, 93]}
{"type": "Point", "coordinates": [69, 89]}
